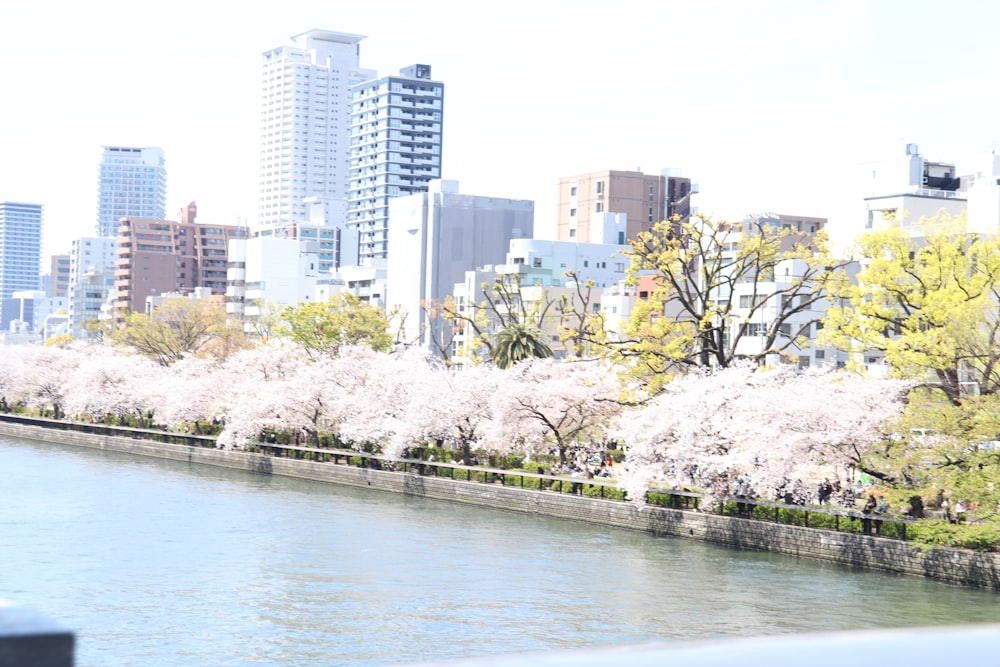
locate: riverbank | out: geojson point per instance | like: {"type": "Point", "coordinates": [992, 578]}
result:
{"type": "Point", "coordinates": [958, 566]}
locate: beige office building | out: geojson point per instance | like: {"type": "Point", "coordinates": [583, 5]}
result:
{"type": "Point", "coordinates": [646, 199]}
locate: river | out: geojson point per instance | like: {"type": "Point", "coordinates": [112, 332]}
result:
{"type": "Point", "coordinates": [167, 563]}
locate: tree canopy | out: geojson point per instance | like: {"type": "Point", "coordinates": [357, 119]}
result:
{"type": "Point", "coordinates": [929, 302]}
{"type": "Point", "coordinates": [697, 269]}
{"type": "Point", "coordinates": [179, 327]}
{"type": "Point", "coordinates": [323, 327]}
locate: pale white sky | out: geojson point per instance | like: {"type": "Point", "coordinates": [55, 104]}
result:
{"type": "Point", "coordinates": [768, 105]}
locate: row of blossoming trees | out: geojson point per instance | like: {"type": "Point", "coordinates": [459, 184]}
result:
{"type": "Point", "coordinates": [773, 426]}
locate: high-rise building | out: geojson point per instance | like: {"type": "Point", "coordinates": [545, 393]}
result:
{"type": "Point", "coordinates": [395, 149]}
{"type": "Point", "coordinates": [646, 199]}
{"type": "Point", "coordinates": [20, 251]}
{"type": "Point", "coordinates": [132, 183]}
{"type": "Point", "coordinates": [304, 135]}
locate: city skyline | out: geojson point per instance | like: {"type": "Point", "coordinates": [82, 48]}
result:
{"type": "Point", "coordinates": [766, 106]}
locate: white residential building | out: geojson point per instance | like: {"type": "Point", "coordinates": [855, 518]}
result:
{"type": "Point", "coordinates": [132, 183]}
{"type": "Point", "coordinates": [305, 119]}
{"type": "Point", "coordinates": [366, 281]}
{"type": "Point", "coordinates": [909, 189]}
{"type": "Point", "coordinates": [438, 235]}
{"type": "Point", "coordinates": [542, 268]}
{"type": "Point", "coordinates": [269, 272]}
{"type": "Point", "coordinates": [395, 149]}
{"type": "Point", "coordinates": [91, 280]}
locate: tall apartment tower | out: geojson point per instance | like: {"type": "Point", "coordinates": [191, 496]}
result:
{"type": "Point", "coordinates": [132, 183]}
{"type": "Point", "coordinates": [304, 129]}
{"type": "Point", "coordinates": [20, 252]}
{"type": "Point", "coordinates": [646, 199]}
{"type": "Point", "coordinates": [395, 149]}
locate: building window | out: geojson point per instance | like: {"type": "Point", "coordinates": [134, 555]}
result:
{"type": "Point", "coordinates": [820, 354]}
{"type": "Point", "coordinates": [536, 262]}
{"type": "Point", "coordinates": [599, 207]}
{"type": "Point", "coordinates": [572, 233]}
{"type": "Point", "coordinates": [572, 213]}
{"type": "Point", "coordinates": [572, 191]}
{"type": "Point", "coordinates": [600, 187]}
{"type": "Point", "coordinates": [650, 193]}
{"type": "Point", "coordinates": [650, 213]}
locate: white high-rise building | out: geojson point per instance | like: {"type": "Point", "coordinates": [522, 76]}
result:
{"type": "Point", "coordinates": [132, 183]}
{"type": "Point", "coordinates": [395, 149]}
{"type": "Point", "coordinates": [304, 132]}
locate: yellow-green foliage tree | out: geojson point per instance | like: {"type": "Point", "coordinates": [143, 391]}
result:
{"type": "Point", "coordinates": [324, 327]}
{"type": "Point", "coordinates": [938, 444]}
{"type": "Point", "coordinates": [179, 327]}
{"type": "Point", "coordinates": [696, 267]}
{"type": "Point", "coordinates": [928, 302]}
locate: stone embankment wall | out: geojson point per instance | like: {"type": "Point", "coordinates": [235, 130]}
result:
{"type": "Point", "coordinates": [951, 565]}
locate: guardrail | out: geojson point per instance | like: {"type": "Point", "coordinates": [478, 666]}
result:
{"type": "Point", "coordinates": [29, 639]}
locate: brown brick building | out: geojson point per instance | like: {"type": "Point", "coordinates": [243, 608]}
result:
{"type": "Point", "coordinates": [159, 256]}
{"type": "Point", "coordinates": [644, 198]}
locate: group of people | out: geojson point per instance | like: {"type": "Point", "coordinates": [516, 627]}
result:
{"type": "Point", "coordinates": [953, 513]}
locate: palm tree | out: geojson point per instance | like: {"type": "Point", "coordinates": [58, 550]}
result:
{"type": "Point", "coordinates": [516, 342]}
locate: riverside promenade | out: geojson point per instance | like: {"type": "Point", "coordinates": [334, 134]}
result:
{"type": "Point", "coordinates": [732, 524]}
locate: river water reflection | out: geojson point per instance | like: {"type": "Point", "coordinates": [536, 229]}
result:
{"type": "Point", "coordinates": [166, 563]}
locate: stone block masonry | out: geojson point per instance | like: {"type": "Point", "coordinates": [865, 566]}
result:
{"type": "Point", "coordinates": [952, 565]}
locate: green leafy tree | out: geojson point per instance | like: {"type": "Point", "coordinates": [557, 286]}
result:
{"type": "Point", "coordinates": [180, 327]}
{"type": "Point", "coordinates": [517, 342]}
{"type": "Point", "coordinates": [938, 444]}
{"type": "Point", "coordinates": [696, 268]}
{"type": "Point", "coordinates": [929, 303]}
{"type": "Point", "coordinates": [324, 327]}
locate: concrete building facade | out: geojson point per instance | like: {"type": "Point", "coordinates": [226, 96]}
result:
{"type": "Point", "coordinates": [58, 276]}
{"type": "Point", "coordinates": [132, 182]}
{"type": "Point", "coordinates": [266, 272]}
{"type": "Point", "coordinates": [305, 119]}
{"type": "Point", "coordinates": [645, 199]}
{"type": "Point", "coordinates": [910, 189]}
{"type": "Point", "coordinates": [395, 141]}
{"type": "Point", "coordinates": [438, 235]}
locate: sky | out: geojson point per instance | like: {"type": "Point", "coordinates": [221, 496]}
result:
{"type": "Point", "coordinates": [768, 105]}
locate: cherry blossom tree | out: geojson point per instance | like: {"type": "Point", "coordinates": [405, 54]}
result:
{"type": "Point", "coordinates": [449, 405]}
{"type": "Point", "coordinates": [12, 374]}
{"type": "Point", "coordinates": [374, 392]}
{"type": "Point", "coordinates": [110, 381]}
{"type": "Point", "coordinates": [43, 380]}
{"type": "Point", "coordinates": [772, 426]}
{"type": "Point", "coordinates": [546, 403]}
